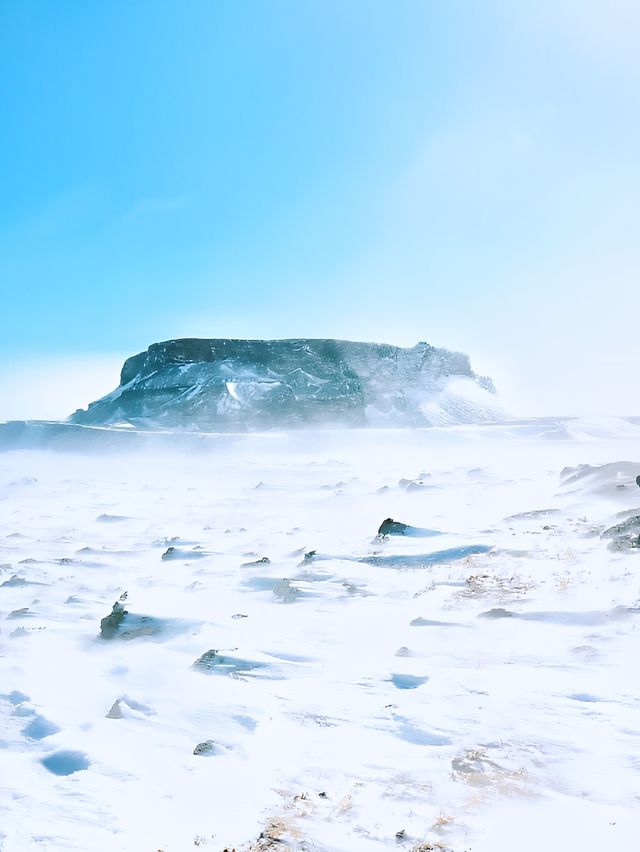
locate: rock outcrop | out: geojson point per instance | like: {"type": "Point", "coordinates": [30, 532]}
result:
{"type": "Point", "coordinates": [235, 385]}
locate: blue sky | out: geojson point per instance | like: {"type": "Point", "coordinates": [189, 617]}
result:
{"type": "Point", "coordinates": [459, 172]}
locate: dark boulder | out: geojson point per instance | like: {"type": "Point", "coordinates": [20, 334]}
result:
{"type": "Point", "coordinates": [391, 527]}
{"type": "Point", "coordinates": [110, 624]}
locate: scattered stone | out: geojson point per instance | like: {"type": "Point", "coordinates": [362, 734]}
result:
{"type": "Point", "coordinates": [111, 623]}
{"type": "Point", "coordinates": [239, 615]}
{"type": "Point", "coordinates": [116, 711]}
{"type": "Point", "coordinates": [208, 747]}
{"type": "Point", "coordinates": [264, 560]}
{"type": "Point", "coordinates": [625, 535]}
{"type": "Point", "coordinates": [15, 582]}
{"type": "Point", "coordinates": [497, 612]}
{"type": "Point", "coordinates": [19, 613]}
{"type": "Point", "coordinates": [412, 484]}
{"type": "Point", "coordinates": [176, 553]}
{"type": "Point", "coordinates": [136, 625]}
{"type": "Point", "coordinates": [285, 592]}
{"type": "Point", "coordinates": [212, 662]}
{"type": "Point", "coordinates": [623, 543]}
{"type": "Point", "coordinates": [391, 527]}
{"type": "Point", "coordinates": [630, 526]}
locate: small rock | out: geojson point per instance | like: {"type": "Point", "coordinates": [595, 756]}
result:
{"type": "Point", "coordinates": [208, 747]}
{"type": "Point", "coordinates": [116, 711]}
{"type": "Point", "coordinates": [19, 613]}
{"type": "Point", "coordinates": [15, 582]}
{"type": "Point", "coordinates": [497, 612]}
{"type": "Point", "coordinates": [111, 623]}
{"type": "Point", "coordinates": [391, 527]}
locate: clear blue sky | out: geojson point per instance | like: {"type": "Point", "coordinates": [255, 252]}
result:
{"type": "Point", "coordinates": [459, 172]}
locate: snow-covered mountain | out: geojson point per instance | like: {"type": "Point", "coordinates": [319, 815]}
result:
{"type": "Point", "coordinates": [222, 385]}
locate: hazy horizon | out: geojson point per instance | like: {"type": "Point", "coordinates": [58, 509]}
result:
{"type": "Point", "coordinates": [55, 387]}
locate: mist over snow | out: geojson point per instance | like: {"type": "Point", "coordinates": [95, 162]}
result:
{"type": "Point", "coordinates": [228, 643]}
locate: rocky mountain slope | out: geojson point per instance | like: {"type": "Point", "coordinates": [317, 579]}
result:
{"type": "Point", "coordinates": [233, 385]}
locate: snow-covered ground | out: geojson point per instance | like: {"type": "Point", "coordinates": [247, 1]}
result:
{"type": "Point", "coordinates": [473, 690]}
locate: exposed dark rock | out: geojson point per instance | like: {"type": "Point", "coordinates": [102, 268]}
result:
{"type": "Point", "coordinates": [625, 535]}
{"type": "Point", "coordinates": [178, 553]}
{"type": "Point", "coordinates": [629, 527]}
{"type": "Point", "coordinates": [497, 612]}
{"type": "Point", "coordinates": [391, 527]}
{"type": "Point", "coordinates": [212, 662]}
{"type": "Point", "coordinates": [625, 542]}
{"type": "Point", "coordinates": [221, 385]}
{"type": "Point", "coordinates": [111, 623]}
{"type": "Point", "coordinates": [208, 747]}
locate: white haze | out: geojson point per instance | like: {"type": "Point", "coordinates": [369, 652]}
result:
{"type": "Point", "coordinates": [376, 697]}
{"type": "Point", "coordinates": [51, 387]}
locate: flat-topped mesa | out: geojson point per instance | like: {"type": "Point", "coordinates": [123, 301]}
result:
{"type": "Point", "coordinates": [231, 385]}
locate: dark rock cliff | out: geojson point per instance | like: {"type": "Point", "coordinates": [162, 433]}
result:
{"type": "Point", "coordinates": [222, 385]}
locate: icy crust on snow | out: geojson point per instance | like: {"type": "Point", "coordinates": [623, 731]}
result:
{"type": "Point", "coordinates": [354, 640]}
{"type": "Point", "coordinates": [255, 384]}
